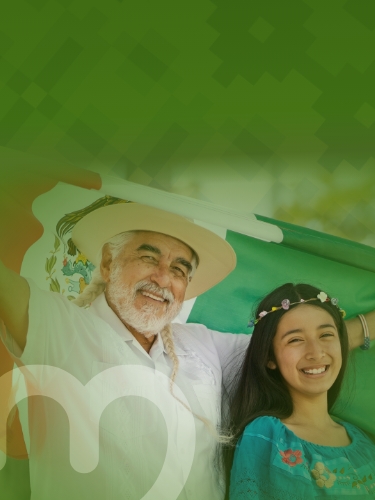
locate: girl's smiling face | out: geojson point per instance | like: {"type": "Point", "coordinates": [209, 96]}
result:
{"type": "Point", "coordinates": [307, 350]}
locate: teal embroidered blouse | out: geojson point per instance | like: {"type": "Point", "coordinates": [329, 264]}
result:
{"type": "Point", "coordinates": [271, 462]}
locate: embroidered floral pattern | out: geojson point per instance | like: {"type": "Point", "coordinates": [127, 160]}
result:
{"type": "Point", "coordinates": [291, 457]}
{"type": "Point", "coordinates": [324, 478]}
{"type": "Point", "coordinates": [349, 477]}
{"type": "Point", "coordinates": [357, 483]}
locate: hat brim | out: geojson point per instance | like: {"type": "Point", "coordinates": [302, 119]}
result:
{"type": "Point", "coordinates": [216, 257]}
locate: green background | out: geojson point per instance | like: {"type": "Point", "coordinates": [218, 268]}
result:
{"type": "Point", "coordinates": [263, 106]}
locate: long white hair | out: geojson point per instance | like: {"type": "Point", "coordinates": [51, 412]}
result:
{"type": "Point", "coordinates": [97, 284]}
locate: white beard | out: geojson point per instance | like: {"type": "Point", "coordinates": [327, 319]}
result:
{"type": "Point", "coordinates": [145, 320]}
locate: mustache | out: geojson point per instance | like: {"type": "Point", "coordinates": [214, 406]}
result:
{"type": "Point", "coordinates": [146, 286]}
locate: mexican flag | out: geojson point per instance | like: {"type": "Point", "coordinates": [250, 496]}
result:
{"type": "Point", "coordinates": [39, 207]}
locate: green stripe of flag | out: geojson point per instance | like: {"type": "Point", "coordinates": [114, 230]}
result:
{"type": "Point", "coordinates": [319, 260]}
{"type": "Point", "coordinates": [329, 247]}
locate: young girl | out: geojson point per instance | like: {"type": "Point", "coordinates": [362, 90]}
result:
{"type": "Point", "coordinates": [288, 446]}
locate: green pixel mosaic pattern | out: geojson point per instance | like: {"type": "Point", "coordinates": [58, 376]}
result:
{"type": "Point", "coordinates": [275, 96]}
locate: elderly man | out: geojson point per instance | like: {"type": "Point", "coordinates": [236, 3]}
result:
{"type": "Point", "coordinates": [149, 261]}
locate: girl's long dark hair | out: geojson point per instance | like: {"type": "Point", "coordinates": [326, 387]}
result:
{"type": "Point", "coordinates": [257, 390]}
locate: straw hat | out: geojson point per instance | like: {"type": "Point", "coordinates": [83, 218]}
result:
{"type": "Point", "coordinates": [216, 257]}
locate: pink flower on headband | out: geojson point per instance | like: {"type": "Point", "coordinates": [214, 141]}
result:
{"type": "Point", "coordinates": [262, 314]}
{"type": "Point", "coordinates": [285, 304]}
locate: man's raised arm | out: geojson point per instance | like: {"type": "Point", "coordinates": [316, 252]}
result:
{"type": "Point", "coordinates": [14, 303]}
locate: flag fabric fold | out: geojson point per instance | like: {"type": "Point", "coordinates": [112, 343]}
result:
{"type": "Point", "coordinates": [329, 247]}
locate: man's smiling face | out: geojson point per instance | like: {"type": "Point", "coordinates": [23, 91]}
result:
{"type": "Point", "coordinates": [146, 283]}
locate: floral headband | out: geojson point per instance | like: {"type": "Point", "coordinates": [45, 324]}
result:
{"type": "Point", "coordinates": [285, 304]}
